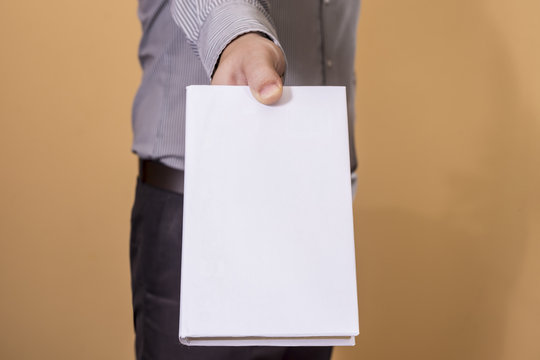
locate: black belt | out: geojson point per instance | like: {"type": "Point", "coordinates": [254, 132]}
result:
{"type": "Point", "coordinates": [156, 174]}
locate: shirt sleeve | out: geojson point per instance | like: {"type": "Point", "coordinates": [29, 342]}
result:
{"type": "Point", "coordinates": [210, 25]}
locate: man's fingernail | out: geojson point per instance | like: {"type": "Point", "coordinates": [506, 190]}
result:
{"type": "Point", "coordinates": [269, 91]}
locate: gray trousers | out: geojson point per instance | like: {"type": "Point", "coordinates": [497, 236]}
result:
{"type": "Point", "coordinates": [155, 249]}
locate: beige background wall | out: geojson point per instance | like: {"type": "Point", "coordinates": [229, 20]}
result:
{"type": "Point", "coordinates": [447, 214]}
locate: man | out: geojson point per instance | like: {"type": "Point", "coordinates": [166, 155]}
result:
{"type": "Point", "coordinates": [222, 42]}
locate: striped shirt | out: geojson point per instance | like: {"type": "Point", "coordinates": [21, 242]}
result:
{"type": "Point", "coordinates": [183, 39]}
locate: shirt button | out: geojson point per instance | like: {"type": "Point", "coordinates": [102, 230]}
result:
{"type": "Point", "coordinates": [329, 63]}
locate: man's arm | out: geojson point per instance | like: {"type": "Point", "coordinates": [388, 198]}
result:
{"type": "Point", "coordinates": [241, 36]}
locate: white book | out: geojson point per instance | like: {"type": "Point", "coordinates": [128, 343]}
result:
{"type": "Point", "coordinates": [268, 241]}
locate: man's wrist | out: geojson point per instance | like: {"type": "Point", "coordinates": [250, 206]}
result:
{"type": "Point", "coordinates": [219, 31]}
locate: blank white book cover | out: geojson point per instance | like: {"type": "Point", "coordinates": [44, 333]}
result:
{"type": "Point", "coordinates": [268, 240]}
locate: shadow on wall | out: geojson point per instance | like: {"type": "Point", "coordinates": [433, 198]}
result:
{"type": "Point", "coordinates": [444, 159]}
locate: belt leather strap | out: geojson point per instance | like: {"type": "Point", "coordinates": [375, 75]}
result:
{"type": "Point", "coordinates": [156, 174]}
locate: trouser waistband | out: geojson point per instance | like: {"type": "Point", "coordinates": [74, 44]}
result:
{"type": "Point", "coordinates": [156, 174]}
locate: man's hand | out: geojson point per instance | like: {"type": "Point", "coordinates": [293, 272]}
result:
{"type": "Point", "coordinates": [253, 60]}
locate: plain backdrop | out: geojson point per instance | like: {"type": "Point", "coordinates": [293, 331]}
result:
{"type": "Point", "coordinates": [447, 214]}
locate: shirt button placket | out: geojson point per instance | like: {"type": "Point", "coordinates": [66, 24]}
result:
{"type": "Point", "coordinates": [327, 56]}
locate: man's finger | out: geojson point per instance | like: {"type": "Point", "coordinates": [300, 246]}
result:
{"type": "Point", "coordinates": [264, 82]}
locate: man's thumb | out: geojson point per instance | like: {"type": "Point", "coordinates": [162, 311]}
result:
{"type": "Point", "coordinates": [265, 84]}
{"type": "Point", "coordinates": [270, 93]}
